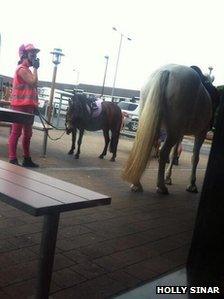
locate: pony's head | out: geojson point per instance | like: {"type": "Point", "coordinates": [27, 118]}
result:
{"type": "Point", "coordinates": [75, 112]}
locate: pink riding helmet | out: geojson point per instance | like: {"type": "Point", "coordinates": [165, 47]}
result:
{"type": "Point", "coordinates": [26, 48]}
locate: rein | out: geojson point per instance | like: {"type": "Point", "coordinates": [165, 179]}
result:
{"type": "Point", "coordinates": [43, 119]}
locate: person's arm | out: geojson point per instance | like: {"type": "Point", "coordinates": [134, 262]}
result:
{"type": "Point", "coordinates": [30, 78]}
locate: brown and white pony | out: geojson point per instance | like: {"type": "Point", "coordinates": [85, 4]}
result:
{"type": "Point", "coordinates": [79, 118]}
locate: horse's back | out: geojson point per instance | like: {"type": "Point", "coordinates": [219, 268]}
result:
{"type": "Point", "coordinates": [179, 78]}
{"type": "Point", "coordinates": [188, 105]}
{"type": "Point", "coordinates": [111, 108]}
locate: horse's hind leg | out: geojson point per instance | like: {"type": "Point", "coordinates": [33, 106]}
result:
{"type": "Point", "coordinates": [168, 174]}
{"type": "Point", "coordinates": [194, 161]}
{"type": "Point", "coordinates": [107, 141]}
{"type": "Point", "coordinates": [71, 152]}
{"type": "Point", "coordinates": [81, 132]}
{"type": "Point", "coordinates": [174, 153]}
{"type": "Point", "coordinates": [178, 152]}
{"type": "Point", "coordinates": [114, 143]}
{"type": "Point", "coordinates": [164, 154]}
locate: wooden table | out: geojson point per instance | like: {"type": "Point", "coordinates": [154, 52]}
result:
{"type": "Point", "coordinates": [13, 116]}
{"type": "Point", "coordinates": [41, 195]}
{"type": "Point", "coordinates": [4, 103]}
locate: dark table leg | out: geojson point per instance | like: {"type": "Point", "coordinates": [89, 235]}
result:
{"type": "Point", "coordinates": [47, 251]}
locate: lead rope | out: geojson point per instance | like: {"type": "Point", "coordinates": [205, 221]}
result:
{"type": "Point", "coordinates": [43, 119]}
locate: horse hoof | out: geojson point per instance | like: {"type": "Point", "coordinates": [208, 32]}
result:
{"type": "Point", "coordinates": [192, 189]}
{"type": "Point", "coordinates": [101, 156]}
{"type": "Point", "coordinates": [112, 159]}
{"type": "Point", "coordinates": [70, 153]}
{"type": "Point", "coordinates": [136, 188]}
{"type": "Point", "coordinates": [168, 181]}
{"type": "Point", "coordinates": [163, 190]}
{"type": "Point", "coordinates": [77, 157]}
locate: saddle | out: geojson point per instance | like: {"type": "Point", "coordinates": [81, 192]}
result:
{"type": "Point", "coordinates": [94, 107]}
{"type": "Point", "coordinates": [212, 91]}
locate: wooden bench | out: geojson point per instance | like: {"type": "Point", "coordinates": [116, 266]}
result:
{"type": "Point", "coordinates": [4, 103]}
{"type": "Point", "coordinates": [5, 124]}
{"type": "Point", "coordinates": [13, 116]}
{"type": "Point", "coordinates": [41, 195]}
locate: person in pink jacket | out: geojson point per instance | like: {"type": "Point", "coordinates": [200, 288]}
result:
{"type": "Point", "coordinates": [24, 97]}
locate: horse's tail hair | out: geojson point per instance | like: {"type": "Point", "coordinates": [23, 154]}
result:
{"type": "Point", "coordinates": [148, 128]}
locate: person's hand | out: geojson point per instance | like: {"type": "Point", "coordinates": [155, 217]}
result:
{"type": "Point", "coordinates": [36, 63]}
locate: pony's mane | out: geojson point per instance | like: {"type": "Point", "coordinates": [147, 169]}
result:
{"type": "Point", "coordinates": [81, 99]}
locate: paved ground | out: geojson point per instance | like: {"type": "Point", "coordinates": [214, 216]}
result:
{"type": "Point", "coordinates": [105, 250]}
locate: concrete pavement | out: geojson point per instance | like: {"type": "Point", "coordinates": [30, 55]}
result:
{"type": "Point", "coordinates": [105, 250]}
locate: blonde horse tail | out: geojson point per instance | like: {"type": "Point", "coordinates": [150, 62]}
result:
{"type": "Point", "coordinates": [149, 124]}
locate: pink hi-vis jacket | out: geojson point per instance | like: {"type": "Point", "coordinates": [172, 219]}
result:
{"type": "Point", "coordinates": [23, 94]}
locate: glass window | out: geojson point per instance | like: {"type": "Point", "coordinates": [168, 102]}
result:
{"type": "Point", "coordinates": [127, 106]}
{"type": "Point", "coordinates": [132, 107]}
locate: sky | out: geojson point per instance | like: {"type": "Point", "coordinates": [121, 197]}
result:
{"type": "Point", "coordinates": [162, 31]}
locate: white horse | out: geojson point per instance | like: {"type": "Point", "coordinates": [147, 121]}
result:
{"type": "Point", "coordinates": [174, 98]}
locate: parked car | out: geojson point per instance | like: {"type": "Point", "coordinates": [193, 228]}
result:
{"type": "Point", "coordinates": [130, 112]}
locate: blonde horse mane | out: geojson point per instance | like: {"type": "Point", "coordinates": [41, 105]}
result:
{"type": "Point", "coordinates": [150, 116]}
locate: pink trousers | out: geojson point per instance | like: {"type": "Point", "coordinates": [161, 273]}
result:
{"type": "Point", "coordinates": [16, 131]}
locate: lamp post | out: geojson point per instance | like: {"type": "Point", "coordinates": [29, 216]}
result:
{"type": "Point", "coordinates": [105, 74]}
{"type": "Point", "coordinates": [118, 57]}
{"type": "Point", "coordinates": [56, 59]}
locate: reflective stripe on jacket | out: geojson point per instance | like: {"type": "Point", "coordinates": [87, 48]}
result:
{"type": "Point", "coordinates": [23, 94]}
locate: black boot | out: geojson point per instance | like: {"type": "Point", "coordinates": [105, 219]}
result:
{"type": "Point", "coordinates": [168, 160]}
{"type": "Point", "coordinates": [176, 161]}
{"type": "Point", "coordinates": [27, 162]}
{"type": "Point", "coordinates": [14, 161]}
